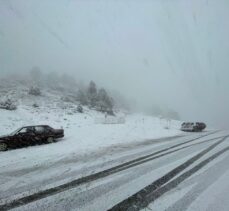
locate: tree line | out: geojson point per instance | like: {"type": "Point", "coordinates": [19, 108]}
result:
{"type": "Point", "coordinates": [91, 96]}
{"type": "Point", "coordinates": [96, 98]}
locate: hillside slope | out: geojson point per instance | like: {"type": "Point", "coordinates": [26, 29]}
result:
{"type": "Point", "coordinates": [84, 132]}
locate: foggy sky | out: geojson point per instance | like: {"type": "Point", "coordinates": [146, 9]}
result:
{"type": "Point", "coordinates": [169, 52]}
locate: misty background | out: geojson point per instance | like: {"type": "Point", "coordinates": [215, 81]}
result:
{"type": "Point", "coordinates": [173, 54]}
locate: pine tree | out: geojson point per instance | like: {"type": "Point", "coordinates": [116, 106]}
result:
{"type": "Point", "coordinates": [105, 103]}
{"type": "Point", "coordinates": [82, 97]}
{"type": "Point", "coordinates": [92, 94]}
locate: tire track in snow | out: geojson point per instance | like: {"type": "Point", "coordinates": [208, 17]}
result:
{"type": "Point", "coordinates": [159, 187]}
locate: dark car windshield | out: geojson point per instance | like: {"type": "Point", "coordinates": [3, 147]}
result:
{"type": "Point", "coordinates": [15, 132]}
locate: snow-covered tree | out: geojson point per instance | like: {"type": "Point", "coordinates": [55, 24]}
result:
{"type": "Point", "coordinates": [92, 94]}
{"type": "Point", "coordinates": [92, 89]}
{"type": "Point", "coordinates": [104, 101]}
{"type": "Point", "coordinates": [82, 97]}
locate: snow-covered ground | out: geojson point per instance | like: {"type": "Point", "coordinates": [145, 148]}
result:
{"type": "Point", "coordinates": [87, 142]}
{"type": "Point", "coordinates": [82, 133]}
{"type": "Point", "coordinates": [90, 146]}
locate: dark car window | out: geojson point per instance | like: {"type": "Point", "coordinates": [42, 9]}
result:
{"type": "Point", "coordinates": [40, 129]}
{"type": "Point", "coordinates": [29, 130]}
{"type": "Point", "coordinates": [48, 129]}
{"type": "Point", "coordinates": [23, 130]}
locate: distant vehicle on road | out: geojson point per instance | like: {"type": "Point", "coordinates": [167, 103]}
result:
{"type": "Point", "coordinates": [193, 126]}
{"type": "Point", "coordinates": [30, 135]}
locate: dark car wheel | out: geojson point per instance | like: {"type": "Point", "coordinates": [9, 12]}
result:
{"type": "Point", "coordinates": [50, 140]}
{"type": "Point", "coordinates": [3, 147]}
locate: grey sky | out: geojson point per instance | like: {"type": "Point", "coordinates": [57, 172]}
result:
{"type": "Point", "coordinates": [171, 52]}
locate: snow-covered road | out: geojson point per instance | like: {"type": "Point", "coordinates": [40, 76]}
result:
{"type": "Point", "coordinates": [101, 181]}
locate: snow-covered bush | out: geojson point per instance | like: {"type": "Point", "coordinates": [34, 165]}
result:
{"type": "Point", "coordinates": [34, 91]}
{"type": "Point", "coordinates": [80, 109]}
{"type": "Point", "coordinates": [35, 105]}
{"type": "Point", "coordinates": [8, 105]}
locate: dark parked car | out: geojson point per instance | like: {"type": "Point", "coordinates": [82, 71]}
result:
{"type": "Point", "coordinates": [193, 126]}
{"type": "Point", "coordinates": [30, 135]}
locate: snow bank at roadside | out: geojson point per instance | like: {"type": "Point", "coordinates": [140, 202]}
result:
{"type": "Point", "coordinates": [82, 134]}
